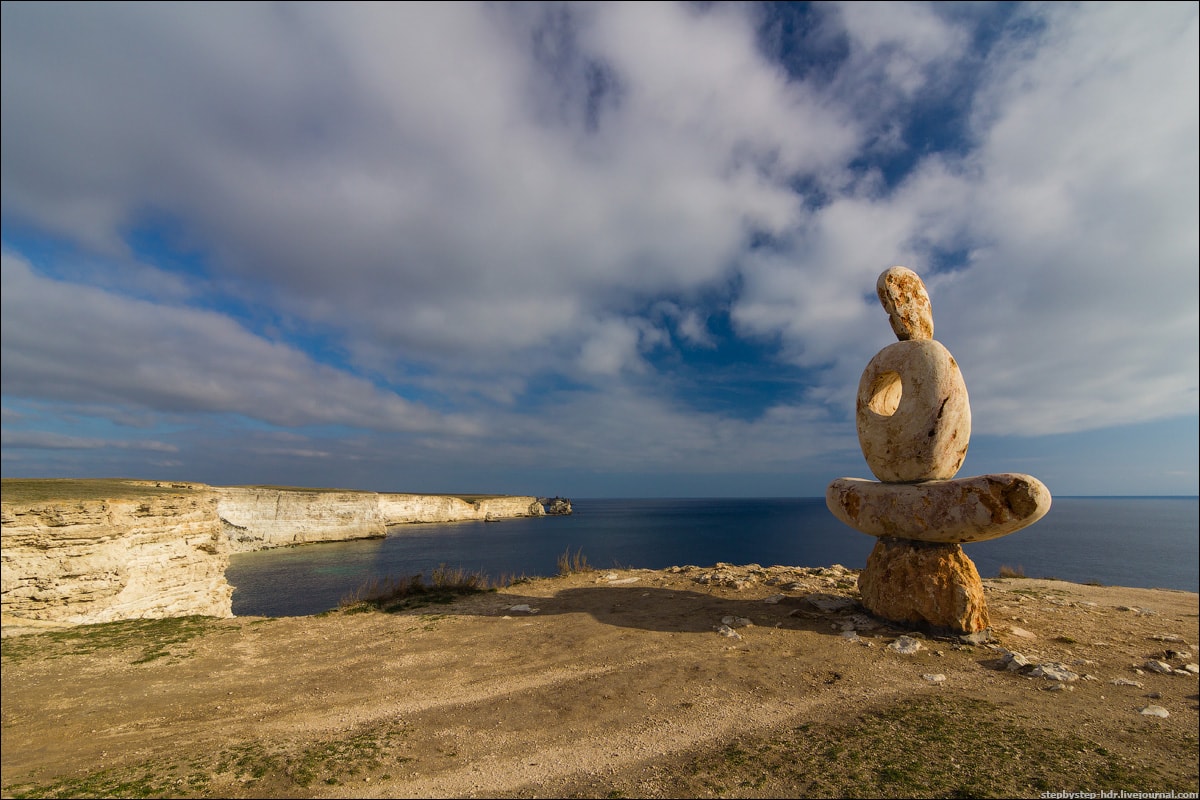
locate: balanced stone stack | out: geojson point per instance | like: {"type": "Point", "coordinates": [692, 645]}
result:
{"type": "Point", "coordinates": [914, 425]}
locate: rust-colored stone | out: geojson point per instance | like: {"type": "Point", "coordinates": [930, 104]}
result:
{"type": "Point", "coordinates": [903, 295]}
{"type": "Point", "coordinates": [920, 583]}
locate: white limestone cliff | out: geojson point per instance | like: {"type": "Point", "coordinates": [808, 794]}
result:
{"type": "Point", "coordinates": [92, 561]}
{"type": "Point", "coordinates": [164, 553]}
{"type": "Point", "coordinates": [400, 509]}
{"type": "Point", "coordinates": [257, 518]}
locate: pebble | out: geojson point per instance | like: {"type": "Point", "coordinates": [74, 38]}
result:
{"type": "Point", "coordinates": [523, 607]}
{"type": "Point", "coordinates": [1155, 711]}
{"type": "Point", "coordinates": [1015, 661]}
{"type": "Point", "coordinates": [905, 645]}
{"type": "Point", "coordinates": [1125, 682]}
{"type": "Point", "coordinates": [1053, 672]}
{"type": "Point", "coordinates": [936, 677]}
{"type": "Point", "coordinates": [852, 636]}
{"type": "Point", "coordinates": [829, 602]}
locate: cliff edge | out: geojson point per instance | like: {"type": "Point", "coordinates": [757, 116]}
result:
{"type": "Point", "coordinates": [88, 551]}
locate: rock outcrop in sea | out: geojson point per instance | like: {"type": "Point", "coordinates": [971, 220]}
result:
{"type": "Point", "coordinates": [914, 425]}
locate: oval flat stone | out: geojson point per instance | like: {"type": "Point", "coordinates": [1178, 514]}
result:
{"type": "Point", "coordinates": [948, 512]}
{"type": "Point", "coordinates": [913, 414]}
{"type": "Point", "coordinates": [902, 294]}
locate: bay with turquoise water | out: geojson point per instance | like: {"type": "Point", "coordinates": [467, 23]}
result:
{"type": "Point", "coordinates": [1148, 542]}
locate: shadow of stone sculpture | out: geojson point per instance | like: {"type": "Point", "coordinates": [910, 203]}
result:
{"type": "Point", "coordinates": [914, 425]}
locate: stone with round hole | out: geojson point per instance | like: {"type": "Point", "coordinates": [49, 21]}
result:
{"type": "Point", "coordinates": [913, 414]}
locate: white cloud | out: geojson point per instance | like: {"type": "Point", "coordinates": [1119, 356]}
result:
{"type": "Point", "coordinates": [471, 202]}
{"type": "Point", "coordinates": [1085, 208]}
{"type": "Point", "coordinates": [902, 42]}
{"type": "Point", "coordinates": [88, 346]}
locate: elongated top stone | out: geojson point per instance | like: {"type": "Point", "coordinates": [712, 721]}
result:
{"type": "Point", "coordinates": [903, 295]}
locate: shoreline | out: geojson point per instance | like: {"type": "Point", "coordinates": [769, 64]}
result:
{"type": "Point", "coordinates": [84, 551]}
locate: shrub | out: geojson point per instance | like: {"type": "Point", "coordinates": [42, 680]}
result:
{"type": "Point", "coordinates": [386, 593]}
{"type": "Point", "coordinates": [568, 564]}
{"type": "Point", "coordinates": [1008, 572]}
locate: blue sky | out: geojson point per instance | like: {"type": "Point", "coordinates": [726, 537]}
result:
{"type": "Point", "coordinates": [592, 250]}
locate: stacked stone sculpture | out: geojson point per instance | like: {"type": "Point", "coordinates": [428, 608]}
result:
{"type": "Point", "coordinates": [914, 424]}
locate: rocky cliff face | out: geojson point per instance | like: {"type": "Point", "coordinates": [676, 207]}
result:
{"type": "Point", "coordinates": [102, 560]}
{"type": "Point", "coordinates": [400, 509]}
{"type": "Point", "coordinates": [256, 519]}
{"type": "Point", "coordinates": [165, 554]}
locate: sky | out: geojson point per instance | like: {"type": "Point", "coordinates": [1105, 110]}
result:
{"type": "Point", "coordinates": [592, 250]}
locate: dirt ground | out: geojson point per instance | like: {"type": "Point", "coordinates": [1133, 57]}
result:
{"type": "Point", "coordinates": [614, 683]}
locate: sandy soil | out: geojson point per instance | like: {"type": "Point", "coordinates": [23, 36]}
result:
{"type": "Point", "coordinates": [613, 684]}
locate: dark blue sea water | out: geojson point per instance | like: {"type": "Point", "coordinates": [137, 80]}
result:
{"type": "Point", "coordinates": [1150, 542]}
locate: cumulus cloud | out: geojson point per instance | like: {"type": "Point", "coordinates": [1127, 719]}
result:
{"type": "Point", "coordinates": [88, 346]}
{"type": "Point", "coordinates": [418, 222]}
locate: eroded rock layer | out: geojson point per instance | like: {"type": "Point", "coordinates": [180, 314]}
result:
{"type": "Point", "coordinates": [102, 560]}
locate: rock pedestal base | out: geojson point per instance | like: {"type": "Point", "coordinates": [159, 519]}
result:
{"type": "Point", "coordinates": [924, 583]}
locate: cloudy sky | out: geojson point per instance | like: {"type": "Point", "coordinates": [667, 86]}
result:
{"type": "Point", "coordinates": [592, 250]}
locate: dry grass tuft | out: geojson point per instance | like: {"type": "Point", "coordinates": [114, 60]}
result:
{"type": "Point", "coordinates": [394, 593]}
{"type": "Point", "coordinates": [569, 564]}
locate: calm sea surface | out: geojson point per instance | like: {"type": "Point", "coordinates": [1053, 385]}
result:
{"type": "Point", "coordinates": [1151, 542]}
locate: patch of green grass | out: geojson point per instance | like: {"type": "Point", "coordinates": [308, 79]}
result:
{"type": "Point", "coordinates": [263, 769]}
{"type": "Point", "coordinates": [154, 638]}
{"type": "Point", "coordinates": [141, 780]}
{"type": "Point", "coordinates": [43, 490]}
{"type": "Point", "coordinates": [922, 747]}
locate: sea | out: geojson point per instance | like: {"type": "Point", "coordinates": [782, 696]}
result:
{"type": "Point", "coordinates": [1148, 542]}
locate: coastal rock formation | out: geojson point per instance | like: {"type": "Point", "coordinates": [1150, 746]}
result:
{"type": "Point", "coordinates": [150, 551]}
{"type": "Point", "coordinates": [557, 505]}
{"type": "Point", "coordinates": [400, 509]}
{"type": "Point", "coordinates": [255, 518]}
{"type": "Point", "coordinates": [914, 425]}
{"type": "Point", "coordinates": [258, 518]}
{"type": "Point", "coordinates": [161, 555]}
